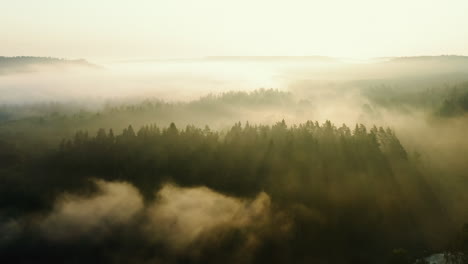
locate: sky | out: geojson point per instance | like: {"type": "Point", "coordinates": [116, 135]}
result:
{"type": "Point", "coordinates": [138, 29]}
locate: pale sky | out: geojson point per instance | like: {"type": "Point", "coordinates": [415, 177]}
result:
{"type": "Point", "coordinates": [117, 29]}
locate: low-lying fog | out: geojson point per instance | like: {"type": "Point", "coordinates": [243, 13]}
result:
{"type": "Point", "coordinates": [168, 80]}
{"type": "Point", "coordinates": [177, 80]}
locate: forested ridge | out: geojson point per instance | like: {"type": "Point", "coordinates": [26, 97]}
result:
{"type": "Point", "coordinates": [24, 64]}
{"type": "Point", "coordinates": [43, 125]}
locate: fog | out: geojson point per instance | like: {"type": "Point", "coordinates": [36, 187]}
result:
{"type": "Point", "coordinates": [183, 216]}
{"type": "Point", "coordinates": [185, 220]}
{"type": "Point", "coordinates": [165, 79]}
{"type": "Point", "coordinates": [74, 216]}
{"type": "Point", "coordinates": [188, 79]}
{"type": "Point", "coordinates": [178, 216]}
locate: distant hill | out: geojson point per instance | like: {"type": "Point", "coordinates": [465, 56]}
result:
{"type": "Point", "coordinates": [31, 64]}
{"type": "Point", "coordinates": [441, 58]}
{"type": "Point", "coordinates": [323, 59]}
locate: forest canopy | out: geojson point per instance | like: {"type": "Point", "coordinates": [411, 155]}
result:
{"type": "Point", "coordinates": [329, 187]}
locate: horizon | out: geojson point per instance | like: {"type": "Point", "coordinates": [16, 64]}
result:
{"type": "Point", "coordinates": [152, 59]}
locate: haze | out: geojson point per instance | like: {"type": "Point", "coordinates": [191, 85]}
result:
{"type": "Point", "coordinates": [108, 30]}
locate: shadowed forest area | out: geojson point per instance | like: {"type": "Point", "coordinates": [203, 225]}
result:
{"type": "Point", "coordinates": [338, 193]}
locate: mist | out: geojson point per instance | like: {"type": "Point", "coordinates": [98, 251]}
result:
{"type": "Point", "coordinates": [114, 204]}
{"type": "Point", "coordinates": [187, 221]}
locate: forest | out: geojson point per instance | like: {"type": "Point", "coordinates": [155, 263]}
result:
{"type": "Point", "coordinates": [325, 192]}
{"type": "Point", "coordinates": [338, 171]}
